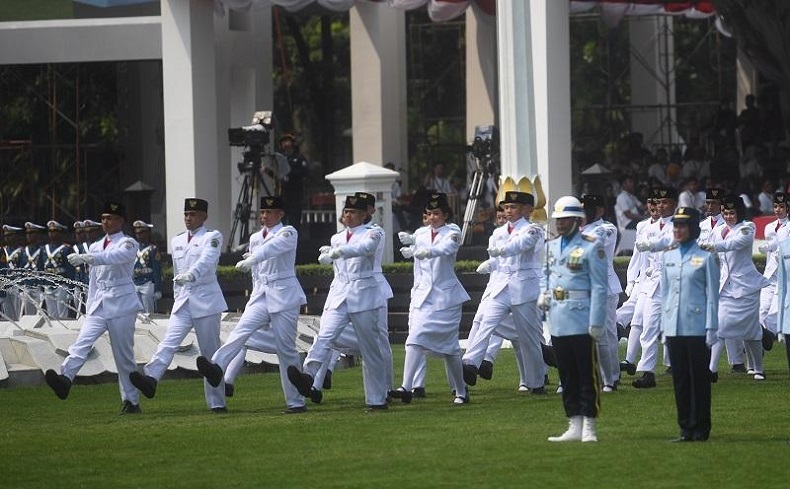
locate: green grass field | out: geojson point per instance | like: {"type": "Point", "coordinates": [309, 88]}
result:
{"type": "Point", "coordinates": [499, 440]}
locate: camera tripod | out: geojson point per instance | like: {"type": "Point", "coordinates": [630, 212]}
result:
{"type": "Point", "coordinates": [251, 184]}
{"type": "Point", "coordinates": [475, 192]}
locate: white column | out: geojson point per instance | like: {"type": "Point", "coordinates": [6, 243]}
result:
{"type": "Point", "coordinates": [244, 86]}
{"type": "Point", "coordinates": [481, 70]}
{"type": "Point", "coordinates": [378, 84]}
{"type": "Point", "coordinates": [534, 92]}
{"type": "Point", "coordinates": [190, 109]}
{"type": "Point", "coordinates": [653, 79]}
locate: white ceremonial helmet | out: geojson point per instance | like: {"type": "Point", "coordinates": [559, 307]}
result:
{"type": "Point", "coordinates": [568, 206]}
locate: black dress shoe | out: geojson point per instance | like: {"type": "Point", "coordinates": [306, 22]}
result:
{"type": "Point", "coordinates": [538, 391]}
{"type": "Point", "coordinates": [229, 390]}
{"type": "Point", "coordinates": [419, 392]}
{"type": "Point", "coordinates": [486, 370]}
{"type": "Point", "coordinates": [646, 381]}
{"type": "Point", "coordinates": [144, 383]}
{"type": "Point", "coordinates": [738, 368]}
{"type": "Point", "coordinates": [327, 380]}
{"type": "Point", "coordinates": [701, 435]}
{"type": "Point", "coordinates": [768, 339]}
{"type": "Point", "coordinates": [211, 371]}
{"type": "Point", "coordinates": [627, 367]}
{"type": "Point", "coordinates": [58, 383]}
{"type": "Point", "coordinates": [295, 410]}
{"type": "Point", "coordinates": [470, 374]}
{"type": "Point", "coordinates": [128, 408]}
{"type": "Point", "coordinates": [402, 394]}
{"type": "Point", "coordinates": [219, 410]}
{"type": "Point", "coordinates": [316, 396]}
{"type": "Point", "coordinates": [376, 407]}
{"type": "Point", "coordinates": [303, 382]}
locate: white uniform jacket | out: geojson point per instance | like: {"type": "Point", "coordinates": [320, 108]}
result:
{"type": "Point", "coordinates": [775, 231]}
{"type": "Point", "coordinates": [519, 268]}
{"type": "Point", "coordinates": [638, 262]}
{"type": "Point", "coordinates": [738, 273]}
{"type": "Point", "coordinates": [111, 285]}
{"type": "Point", "coordinates": [607, 233]}
{"type": "Point", "coordinates": [659, 234]}
{"type": "Point", "coordinates": [273, 275]}
{"type": "Point", "coordinates": [355, 282]}
{"type": "Point", "coordinates": [690, 292]}
{"type": "Point", "coordinates": [199, 257]}
{"type": "Point", "coordinates": [782, 295]}
{"type": "Point", "coordinates": [435, 280]}
{"type": "Point", "coordinates": [706, 227]}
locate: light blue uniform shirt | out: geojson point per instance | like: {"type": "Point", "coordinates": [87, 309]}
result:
{"type": "Point", "coordinates": [690, 291]}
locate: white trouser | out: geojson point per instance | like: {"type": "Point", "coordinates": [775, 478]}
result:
{"type": "Point", "coordinates": [146, 294]}
{"type": "Point", "coordinates": [283, 333]}
{"type": "Point", "coordinates": [415, 356]}
{"type": "Point", "coordinates": [57, 301]}
{"type": "Point", "coordinates": [734, 351]}
{"type": "Point", "coordinates": [207, 332]}
{"type": "Point", "coordinates": [528, 327]}
{"type": "Point", "coordinates": [768, 307]}
{"type": "Point", "coordinates": [608, 346]}
{"type": "Point", "coordinates": [367, 328]}
{"type": "Point", "coordinates": [505, 330]}
{"type": "Point", "coordinates": [625, 313]}
{"type": "Point", "coordinates": [651, 331]}
{"type": "Point", "coordinates": [121, 330]}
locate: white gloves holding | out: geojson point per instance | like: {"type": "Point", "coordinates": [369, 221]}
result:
{"type": "Point", "coordinates": [596, 332]}
{"type": "Point", "coordinates": [183, 278]}
{"type": "Point", "coordinates": [495, 251]}
{"type": "Point", "coordinates": [629, 289]}
{"type": "Point", "coordinates": [335, 253]}
{"type": "Point", "coordinates": [711, 337]}
{"type": "Point", "coordinates": [544, 300]}
{"type": "Point", "coordinates": [77, 259]}
{"type": "Point", "coordinates": [422, 254]}
{"type": "Point", "coordinates": [406, 238]}
{"type": "Point", "coordinates": [484, 268]}
{"type": "Point", "coordinates": [324, 259]}
{"type": "Point", "coordinates": [323, 249]}
{"type": "Point", "coordinates": [246, 264]}
{"type": "Point", "coordinates": [642, 245]}
{"type": "Point", "coordinates": [407, 252]}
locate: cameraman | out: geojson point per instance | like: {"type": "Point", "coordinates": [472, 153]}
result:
{"type": "Point", "coordinates": [292, 183]}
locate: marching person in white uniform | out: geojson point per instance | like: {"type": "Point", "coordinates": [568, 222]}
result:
{"type": "Point", "coordinates": [436, 301]}
{"type": "Point", "coordinates": [354, 297]}
{"type": "Point", "coordinates": [274, 303]}
{"type": "Point", "coordinates": [608, 344]}
{"type": "Point", "coordinates": [658, 237]}
{"type": "Point", "coordinates": [198, 302]}
{"type": "Point", "coordinates": [775, 232]}
{"type": "Point", "coordinates": [575, 299]}
{"type": "Point", "coordinates": [739, 291]}
{"type": "Point", "coordinates": [112, 307]}
{"type": "Point", "coordinates": [689, 320]}
{"type": "Point", "coordinates": [513, 288]}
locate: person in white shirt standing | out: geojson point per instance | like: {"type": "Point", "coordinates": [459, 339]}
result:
{"type": "Point", "coordinates": [692, 196]}
{"type": "Point", "coordinates": [112, 306]}
{"type": "Point", "coordinates": [274, 302]}
{"type": "Point", "coordinates": [198, 302]}
{"type": "Point", "coordinates": [628, 209]}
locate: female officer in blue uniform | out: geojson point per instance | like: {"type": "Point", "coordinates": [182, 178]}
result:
{"type": "Point", "coordinates": [689, 321]}
{"type": "Point", "coordinates": [576, 302]}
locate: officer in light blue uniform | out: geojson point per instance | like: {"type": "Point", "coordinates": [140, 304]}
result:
{"type": "Point", "coordinates": [575, 299]}
{"type": "Point", "coordinates": [689, 322]}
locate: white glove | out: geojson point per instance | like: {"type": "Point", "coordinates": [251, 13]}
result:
{"type": "Point", "coordinates": [544, 300]}
{"type": "Point", "coordinates": [183, 278]}
{"type": "Point", "coordinates": [707, 247]}
{"type": "Point", "coordinates": [642, 245]}
{"type": "Point", "coordinates": [324, 259]}
{"type": "Point", "coordinates": [596, 332]}
{"type": "Point", "coordinates": [780, 338]}
{"type": "Point", "coordinates": [245, 265]}
{"type": "Point", "coordinates": [157, 295]}
{"type": "Point", "coordinates": [406, 238]}
{"type": "Point", "coordinates": [335, 253]}
{"type": "Point", "coordinates": [711, 337]}
{"type": "Point", "coordinates": [495, 251]}
{"type": "Point", "coordinates": [407, 252]}
{"type": "Point", "coordinates": [763, 248]}
{"type": "Point", "coordinates": [629, 289]}
{"type": "Point", "coordinates": [422, 253]}
{"type": "Point", "coordinates": [77, 259]}
{"type": "Point", "coordinates": [324, 249]}
{"type": "Point", "coordinates": [246, 255]}
{"type": "Point", "coordinates": [484, 268]}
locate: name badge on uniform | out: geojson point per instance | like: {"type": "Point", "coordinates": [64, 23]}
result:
{"type": "Point", "coordinates": [575, 258]}
{"type": "Point", "coordinates": [696, 261]}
